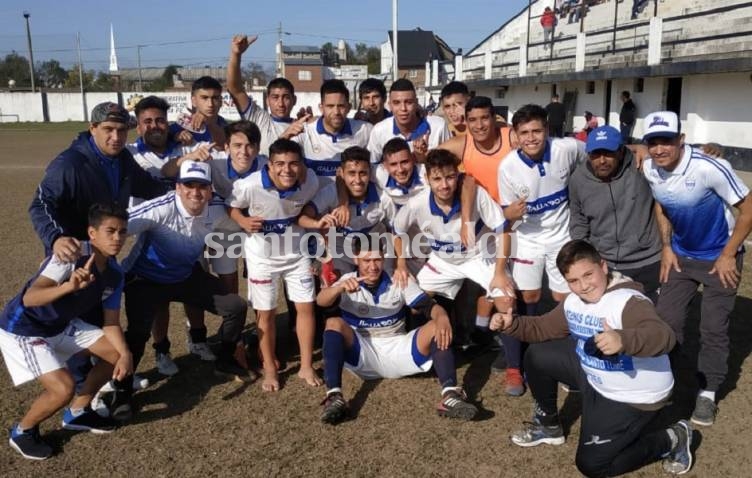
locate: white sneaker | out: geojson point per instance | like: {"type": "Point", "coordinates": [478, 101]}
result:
{"type": "Point", "coordinates": [165, 365]}
{"type": "Point", "coordinates": [203, 351]}
{"type": "Point", "coordinates": [139, 383]}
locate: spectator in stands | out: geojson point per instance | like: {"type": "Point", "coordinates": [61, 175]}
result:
{"type": "Point", "coordinates": [627, 117]}
{"type": "Point", "coordinates": [576, 8]}
{"type": "Point", "coordinates": [637, 7]}
{"type": "Point", "coordinates": [556, 117]}
{"type": "Point", "coordinates": [548, 22]}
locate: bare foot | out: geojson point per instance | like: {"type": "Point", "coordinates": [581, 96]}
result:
{"type": "Point", "coordinates": [310, 376]}
{"type": "Point", "coordinates": [270, 383]}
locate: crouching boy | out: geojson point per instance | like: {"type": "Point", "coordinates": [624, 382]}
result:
{"type": "Point", "coordinates": [42, 327]}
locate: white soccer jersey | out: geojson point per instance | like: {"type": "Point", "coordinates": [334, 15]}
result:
{"type": "Point", "coordinates": [545, 185]}
{"type": "Point", "coordinates": [271, 128]}
{"type": "Point", "coordinates": [401, 194]}
{"type": "Point", "coordinates": [369, 216]}
{"type": "Point", "coordinates": [152, 162]}
{"type": "Point", "coordinates": [280, 210]}
{"type": "Point", "coordinates": [224, 175]}
{"type": "Point", "coordinates": [387, 129]}
{"type": "Point", "coordinates": [622, 378]}
{"type": "Point", "coordinates": [170, 240]}
{"type": "Point", "coordinates": [379, 312]}
{"type": "Point", "coordinates": [322, 150]}
{"type": "Point", "coordinates": [701, 190]}
{"type": "Point", "coordinates": [443, 230]}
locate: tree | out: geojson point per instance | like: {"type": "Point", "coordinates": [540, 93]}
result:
{"type": "Point", "coordinates": [255, 71]}
{"type": "Point", "coordinates": [103, 82]}
{"type": "Point", "coordinates": [165, 81]}
{"type": "Point", "coordinates": [15, 67]}
{"type": "Point", "coordinates": [51, 74]}
{"type": "Point", "coordinates": [72, 81]}
{"type": "Point", "coordinates": [329, 54]}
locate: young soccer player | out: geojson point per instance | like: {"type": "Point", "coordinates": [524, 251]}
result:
{"type": "Point", "coordinates": [606, 338]}
{"type": "Point", "coordinates": [42, 326]}
{"type": "Point", "coordinates": [369, 338]}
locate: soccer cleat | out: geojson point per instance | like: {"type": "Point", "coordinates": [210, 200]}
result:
{"type": "Point", "coordinates": [679, 460]}
{"type": "Point", "coordinates": [705, 411]}
{"type": "Point", "coordinates": [228, 367]}
{"type": "Point", "coordinates": [88, 421]}
{"type": "Point", "coordinates": [535, 434]}
{"type": "Point", "coordinates": [514, 384]}
{"type": "Point", "coordinates": [139, 383]}
{"type": "Point", "coordinates": [335, 408]}
{"type": "Point", "coordinates": [29, 443]}
{"type": "Point", "coordinates": [202, 350]}
{"type": "Point", "coordinates": [165, 364]}
{"type": "Point", "coordinates": [119, 403]}
{"type": "Point", "coordinates": [454, 404]}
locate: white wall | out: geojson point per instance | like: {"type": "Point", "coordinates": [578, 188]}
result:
{"type": "Point", "coordinates": [652, 98]}
{"type": "Point", "coordinates": [66, 107]}
{"type": "Point", "coordinates": [28, 106]}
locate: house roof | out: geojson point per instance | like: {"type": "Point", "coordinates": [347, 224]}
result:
{"type": "Point", "coordinates": [418, 46]}
{"type": "Point", "coordinates": [300, 49]}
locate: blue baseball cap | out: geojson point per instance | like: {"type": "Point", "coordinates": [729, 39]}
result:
{"type": "Point", "coordinates": [603, 137]}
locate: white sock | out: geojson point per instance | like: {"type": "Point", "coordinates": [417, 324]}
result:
{"type": "Point", "coordinates": [707, 394]}
{"type": "Point", "coordinates": [482, 322]}
{"type": "Point", "coordinates": [333, 390]}
{"type": "Point", "coordinates": [449, 389]}
{"type": "Point", "coordinates": [672, 436]}
{"type": "Point", "coordinates": [76, 411]}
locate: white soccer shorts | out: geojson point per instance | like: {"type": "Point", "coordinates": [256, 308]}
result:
{"type": "Point", "coordinates": [223, 264]}
{"type": "Point", "coordinates": [28, 358]}
{"type": "Point", "coordinates": [389, 357]}
{"type": "Point", "coordinates": [264, 276]}
{"type": "Point", "coordinates": [531, 260]}
{"type": "Point", "coordinates": [441, 277]}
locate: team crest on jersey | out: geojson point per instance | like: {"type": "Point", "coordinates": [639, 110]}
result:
{"type": "Point", "coordinates": [316, 148]}
{"type": "Point", "coordinates": [257, 209]}
{"type": "Point", "coordinates": [362, 310]}
{"type": "Point", "coordinates": [522, 190]}
{"type": "Point", "coordinates": [690, 183]}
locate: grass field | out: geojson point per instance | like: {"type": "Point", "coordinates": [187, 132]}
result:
{"type": "Point", "coordinates": [195, 425]}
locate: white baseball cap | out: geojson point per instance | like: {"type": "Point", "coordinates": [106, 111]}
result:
{"type": "Point", "coordinates": [194, 172]}
{"type": "Point", "coordinates": [661, 124]}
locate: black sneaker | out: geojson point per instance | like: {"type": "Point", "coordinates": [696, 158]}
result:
{"type": "Point", "coordinates": [679, 460]}
{"type": "Point", "coordinates": [535, 433]}
{"type": "Point", "coordinates": [29, 444]}
{"type": "Point", "coordinates": [119, 403]}
{"type": "Point", "coordinates": [335, 408]}
{"type": "Point", "coordinates": [454, 404]}
{"type": "Point", "coordinates": [705, 411]}
{"type": "Point", "coordinates": [88, 421]}
{"type": "Point", "coordinates": [228, 367]}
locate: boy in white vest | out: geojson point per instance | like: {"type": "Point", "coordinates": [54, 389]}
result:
{"type": "Point", "coordinates": [607, 339]}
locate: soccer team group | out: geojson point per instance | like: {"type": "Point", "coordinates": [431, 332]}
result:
{"type": "Point", "coordinates": [409, 209]}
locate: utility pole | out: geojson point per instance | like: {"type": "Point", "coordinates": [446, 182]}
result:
{"type": "Point", "coordinates": [395, 63]}
{"type": "Point", "coordinates": [81, 76]}
{"type": "Point", "coordinates": [140, 78]}
{"type": "Point", "coordinates": [31, 53]}
{"type": "Point", "coordinates": [279, 50]}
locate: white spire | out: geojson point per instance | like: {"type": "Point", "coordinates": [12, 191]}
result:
{"type": "Point", "coordinates": [113, 55]}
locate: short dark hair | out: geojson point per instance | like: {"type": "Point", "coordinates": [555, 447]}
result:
{"type": "Point", "coordinates": [98, 212]}
{"type": "Point", "coordinates": [402, 84]}
{"type": "Point", "coordinates": [248, 128]}
{"type": "Point", "coordinates": [371, 84]}
{"type": "Point", "coordinates": [555, 96]}
{"type": "Point", "coordinates": [151, 102]}
{"type": "Point", "coordinates": [625, 94]}
{"type": "Point", "coordinates": [529, 113]}
{"type": "Point", "coordinates": [441, 158]}
{"type": "Point", "coordinates": [280, 83]}
{"type": "Point", "coordinates": [206, 83]}
{"type": "Point", "coordinates": [480, 102]}
{"type": "Point", "coordinates": [394, 145]}
{"type": "Point", "coordinates": [573, 251]}
{"type": "Point", "coordinates": [334, 86]}
{"type": "Point", "coordinates": [355, 153]}
{"type": "Point", "coordinates": [283, 146]}
{"type": "Point", "coordinates": [453, 88]}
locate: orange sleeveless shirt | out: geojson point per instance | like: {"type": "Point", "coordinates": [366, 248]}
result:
{"type": "Point", "coordinates": [484, 167]}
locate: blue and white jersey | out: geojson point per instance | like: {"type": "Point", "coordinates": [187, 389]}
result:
{"type": "Point", "coordinates": [371, 215]}
{"type": "Point", "coordinates": [697, 197]}
{"type": "Point", "coordinates": [224, 175]}
{"type": "Point", "coordinates": [170, 240]}
{"type": "Point", "coordinates": [322, 150]}
{"type": "Point", "coordinates": [271, 128]}
{"type": "Point", "coordinates": [442, 231]}
{"type": "Point", "coordinates": [51, 319]}
{"type": "Point", "coordinates": [622, 378]}
{"type": "Point", "coordinates": [400, 194]}
{"type": "Point", "coordinates": [379, 311]}
{"type": "Point", "coordinates": [280, 210]}
{"type": "Point", "coordinates": [545, 186]}
{"type": "Point", "coordinates": [202, 135]}
{"type": "Point", "coordinates": [387, 129]}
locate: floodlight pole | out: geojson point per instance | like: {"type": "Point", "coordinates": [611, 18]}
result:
{"type": "Point", "coordinates": [31, 53]}
{"type": "Point", "coordinates": [395, 70]}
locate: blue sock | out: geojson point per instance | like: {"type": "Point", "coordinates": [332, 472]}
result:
{"type": "Point", "coordinates": [443, 363]}
{"type": "Point", "coordinates": [529, 309]}
{"type": "Point", "coordinates": [512, 351]}
{"type": "Point", "coordinates": [334, 358]}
